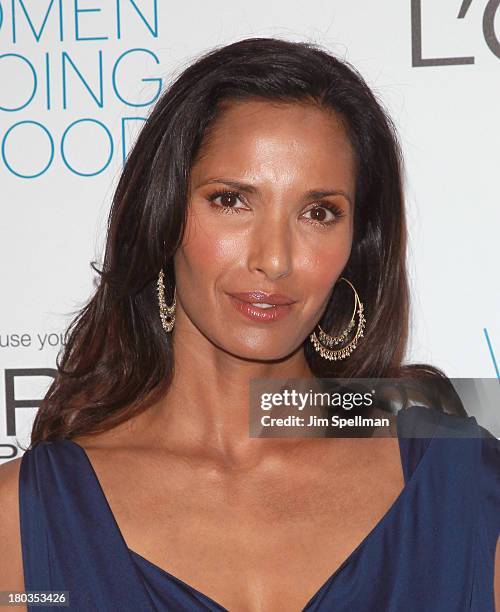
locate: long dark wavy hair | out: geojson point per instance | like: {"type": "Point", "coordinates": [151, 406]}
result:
{"type": "Point", "coordinates": [117, 359]}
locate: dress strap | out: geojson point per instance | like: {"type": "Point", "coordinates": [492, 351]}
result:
{"type": "Point", "coordinates": [70, 540]}
{"type": "Point", "coordinates": [418, 426]}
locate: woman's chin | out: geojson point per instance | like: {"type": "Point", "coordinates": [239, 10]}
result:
{"type": "Point", "coordinates": [266, 353]}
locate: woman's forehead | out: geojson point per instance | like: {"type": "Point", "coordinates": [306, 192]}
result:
{"type": "Point", "coordinates": [266, 139]}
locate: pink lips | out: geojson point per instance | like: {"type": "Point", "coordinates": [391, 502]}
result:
{"type": "Point", "coordinates": [280, 305]}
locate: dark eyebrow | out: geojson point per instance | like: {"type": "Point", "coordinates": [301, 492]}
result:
{"type": "Point", "coordinates": [323, 193]}
{"type": "Point", "coordinates": [244, 187]}
{"type": "Point", "coordinates": [313, 194]}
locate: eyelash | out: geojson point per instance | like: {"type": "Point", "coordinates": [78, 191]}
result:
{"type": "Point", "coordinates": [336, 210]}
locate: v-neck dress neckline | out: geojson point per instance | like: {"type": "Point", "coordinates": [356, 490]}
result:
{"type": "Point", "coordinates": [141, 559]}
{"type": "Point", "coordinates": [74, 495]}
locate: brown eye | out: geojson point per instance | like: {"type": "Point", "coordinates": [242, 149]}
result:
{"type": "Point", "coordinates": [324, 214]}
{"type": "Point", "coordinates": [318, 214]}
{"type": "Point", "coordinates": [228, 199]}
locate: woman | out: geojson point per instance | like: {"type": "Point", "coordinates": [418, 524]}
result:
{"type": "Point", "coordinates": [265, 177]}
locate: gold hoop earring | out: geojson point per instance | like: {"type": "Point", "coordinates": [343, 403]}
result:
{"type": "Point", "coordinates": [325, 343]}
{"type": "Point", "coordinates": [167, 313]}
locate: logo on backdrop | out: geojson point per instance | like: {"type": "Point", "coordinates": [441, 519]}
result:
{"type": "Point", "coordinates": [490, 36]}
{"type": "Point", "coordinates": [64, 59]}
{"type": "Point", "coordinates": [13, 403]}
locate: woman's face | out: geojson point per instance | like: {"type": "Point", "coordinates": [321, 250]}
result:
{"type": "Point", "coordinates": [270, 210]}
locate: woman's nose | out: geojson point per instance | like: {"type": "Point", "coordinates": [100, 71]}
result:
{"type": "Point", "coordinates": [270, 249]}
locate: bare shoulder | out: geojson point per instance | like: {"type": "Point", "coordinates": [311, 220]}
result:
{"type": "Point", "coordinates": [118, 437]}
{"type": "Point", "coordinates": [11, 566]}
{"type": "Point", "coordinates": [103, 443]}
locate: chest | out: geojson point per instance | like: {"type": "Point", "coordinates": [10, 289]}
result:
{"type": "Point", "coordinates": [250, 541]}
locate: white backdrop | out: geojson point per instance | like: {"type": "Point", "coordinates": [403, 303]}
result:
{"type": "Point", "coordinates": [77, 76]}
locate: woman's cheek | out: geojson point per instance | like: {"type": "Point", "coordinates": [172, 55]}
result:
{"type": "Point", "coordinates": [323, 264]}
{"type": "Point", "coordinates": [213, 250]}
{"type": "Point", "coordinates": [228, 248]}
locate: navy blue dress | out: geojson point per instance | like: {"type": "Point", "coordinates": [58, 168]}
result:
{"type": "Point", "coordinates": [433, 550]}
